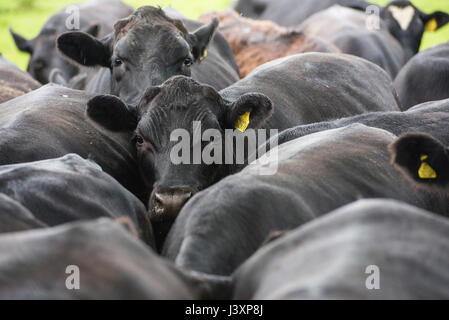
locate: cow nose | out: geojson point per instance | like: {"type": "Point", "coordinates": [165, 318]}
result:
{"type": "Point", "coordinates": [166, 203]}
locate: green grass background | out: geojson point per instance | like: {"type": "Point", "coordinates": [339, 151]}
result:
{"type": "Point", "coordinates": [27, 17]}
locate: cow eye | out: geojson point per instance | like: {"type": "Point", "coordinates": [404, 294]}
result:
{"type": "Point", "coordinates": [139, 140]}
{"type": "Point", "coordinates": [117, 62]}
{"type": "Point", "coordinates": [188, 62]}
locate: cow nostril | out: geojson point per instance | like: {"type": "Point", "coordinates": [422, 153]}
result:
{"type": "Point", "coordinates": [158, 204]}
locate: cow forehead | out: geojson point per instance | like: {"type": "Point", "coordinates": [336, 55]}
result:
{"type": "Point", "coordinates": [403, 15]}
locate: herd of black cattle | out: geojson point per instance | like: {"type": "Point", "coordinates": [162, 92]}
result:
{"type": "Point", "coordinates": [86, 177]}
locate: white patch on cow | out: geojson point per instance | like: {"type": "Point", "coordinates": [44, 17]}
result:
{"type": "Point", "coordinates": [403, 16]}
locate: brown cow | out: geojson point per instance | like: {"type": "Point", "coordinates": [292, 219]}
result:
{"type": "Point", "coordinates": [13, 81]}
{"type": "Point", "coordinates": [255, 42]}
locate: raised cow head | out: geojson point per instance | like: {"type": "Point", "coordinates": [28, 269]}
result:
{"type": "Point", "coordinates": [145, 49]}
{"type": "Point", "coordinates": [407, 23]}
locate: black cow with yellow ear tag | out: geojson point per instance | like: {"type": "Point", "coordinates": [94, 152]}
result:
{"type": "Point", "coordinates": [421, 157]}
{"type": "Point", "coordinates": [407, 23]}
{"type": "Point", "coordinates": [186, 133]}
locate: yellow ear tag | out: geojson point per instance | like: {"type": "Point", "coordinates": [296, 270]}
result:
{"type": "Point", "coordinates": [426, 171]}
{"type": "Point", "coordinates": [204, 55]}
{"type": "Point", "coordinates": [243, 122]}
{"type": "Point", "coordinates": [432, 25]}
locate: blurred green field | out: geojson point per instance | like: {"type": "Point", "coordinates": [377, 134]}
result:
{"type": "Point", "coordinates": [27, 17]}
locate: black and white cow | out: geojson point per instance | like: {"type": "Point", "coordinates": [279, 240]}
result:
{"type": "Point", "coordinates": [389, 42]}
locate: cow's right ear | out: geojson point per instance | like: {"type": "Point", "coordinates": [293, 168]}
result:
{"type": "Point", "coordinates": [84, 49]}
{"type": "Point", "coordinates": [422, 158]}
{"type": "Point", "coordinates": [22, 43]}
{"type": "Point", "coordinates": [250, 110]}
{"type": "Point", "coordinates": [112, 113]}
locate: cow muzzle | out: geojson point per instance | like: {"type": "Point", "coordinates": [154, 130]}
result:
{"type": "Point", "coordinates": [165, 203]}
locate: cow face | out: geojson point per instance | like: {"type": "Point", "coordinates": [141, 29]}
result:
{"type": "Point", "coordinates": [43, 56]}
{"type": "Point", "coordinates": [407, 23]}
{"type": "Point", "coordinates": [145, 49]}
{"type": "Point", "coordinates": [180, 104]}
{"type": "Point", "coordinates": [422, 158]}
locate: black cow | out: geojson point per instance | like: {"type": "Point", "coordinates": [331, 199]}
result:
{"type": "Point", "coordinates": [407, 24]}
{"type": "Point", "coordinates": [285, 12]}
{"type": "Point", "coordinates": [96, 17]}
{"type": "Point", "coordinates": [312, 176]}
{"type": "Point", "coordinates": [423, 78]}
{"type": "Point", "coordinates": [345, 28]}
{"type": "Point", "coordinates": [112, 264]}
{"type": "Point", "coordinates": [301, 89]}
{"type": "Point", "coordinates": [395, 39]}
{"type": "Point", "coordinates": [147, 48]}
{"type": "Point", "coordinates": [13, 81]}
{"type": "Point", "coordinates": [432, 118]}
{"type": "Point", "coordinates": [50, 122]}
{"type": "Point", "coordinates": [370, 249]}
{"type": "Point", "coordinates": [423, 158]}
{"type": "Point", "coordinates": [66, 189]}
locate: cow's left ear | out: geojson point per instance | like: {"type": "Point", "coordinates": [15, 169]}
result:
{"type": "Point", "coordinates": [421, 157]}
{"type": "Point", "coordinates": [435, 20]}
{"type": "Point", "coordinates": [22, 43]}
{"type": "Point", "coordinates": [112, 113]}
{"type": "Point", "coordinates": [250, 110]}
{"type": "Point", "coordinates": [199, 39]}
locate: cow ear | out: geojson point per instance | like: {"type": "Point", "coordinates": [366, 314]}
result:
{"type": "Point", "coordinates": [250, 110]}
{"type": "Point", "coordinates": [22, 43]}
{"type": "Point", "coordinates": [421, 157]}
{"type": "Point", "coordinates": [112, 113]}
{"type": "Point", "coordinates": [85, 49]}
{"type": "Point", "coordinates": [435, 20]}
{"type": "Point", "coordinates": [93, 29]}
{"type": "Point", "coordinates": [200, 39]}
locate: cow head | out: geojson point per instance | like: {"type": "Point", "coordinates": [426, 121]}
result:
{"type": "Point", "coordinates": [164, 111]}
{"type": "Point", "coordinates": [422, 158]}
{"type": "Point", "coordinates": [407, 23]}
{"type": "Point", "coordinates": [145, 49]}
{"type": "Point", "coordinates": [43, 56]}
